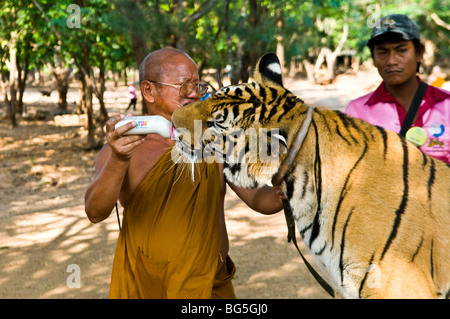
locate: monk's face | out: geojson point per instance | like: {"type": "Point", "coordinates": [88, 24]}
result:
{"type": "Point", "coordinates": [180, 70]}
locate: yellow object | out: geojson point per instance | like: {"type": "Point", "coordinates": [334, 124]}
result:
{"type": "Point", "coordinates": [169, 243]}
{"type": "Point", "coordinates": [438, 82]}
{"type": "Point", "coordinates": [416, 135]}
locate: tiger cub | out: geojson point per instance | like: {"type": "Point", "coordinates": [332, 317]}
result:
{"type": "Point", "coordinates": [372, 208]}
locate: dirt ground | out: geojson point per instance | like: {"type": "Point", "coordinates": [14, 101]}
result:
{"type": "Point", "coordinates": [44, 171]}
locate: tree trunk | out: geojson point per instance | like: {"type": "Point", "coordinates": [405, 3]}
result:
{"type": "Point", "coordinates": [90, 143]}
{"type": "Point", "coordinates": [22, 73]}
{"type": "Point", "coordinates": [62, 77]}
{"type": "Point", "coordinates": [219, 77]}
{"type": "Point", "coordinates": [11, 108]}
{"type": "Point", "coordinates": [237, 67]}
{"type": "Point", "coordinates": [62, 88]}
{"type": "Point", "coordinates": [280, 47]}
{"type": "Point", "coordinates": [330, 57]}
{"type": "Point", "coordinates": [99, 92]}
{"type": "Point", "coordinates": [256, 48]}
{"type": "Point", "coordinates": [138, 46]}
{"type": "Point", "coordinates": [88, 92]}
{"type": "Point", "coordinates": [137, 38]}
{"type": "Point", "coordinates": [137, 33]}
{"type": "Point", "coordinates": [82, 89]}
{"type": "Point", "coordinates": [255, 45]}
{"type": "Point", "coordinates": [309, 69]}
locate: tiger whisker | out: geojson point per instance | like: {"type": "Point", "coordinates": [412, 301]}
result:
{"type": "Point", "coordinates": [179, 173]}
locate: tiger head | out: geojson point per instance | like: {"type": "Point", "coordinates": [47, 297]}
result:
{"type": "Point", "coordinates": [244, 126]}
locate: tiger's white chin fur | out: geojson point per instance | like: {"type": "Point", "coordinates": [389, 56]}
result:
{"type": "Point", "coordinates": [247, 171]}
{"type": "Point", "coordinates": [250, 175]}
{"type": "Point", "coordinates": [247, 175]}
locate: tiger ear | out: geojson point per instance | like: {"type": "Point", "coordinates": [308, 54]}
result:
{"type": "Point", "coordinates": [268, 69]}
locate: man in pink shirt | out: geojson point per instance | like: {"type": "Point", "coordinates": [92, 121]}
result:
{"type": "Point", "coordinates": [397, 52]}
{"type": "Point", "coordinates": [132, 95]}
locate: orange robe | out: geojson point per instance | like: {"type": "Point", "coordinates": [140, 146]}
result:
{"type": "Point", "coordinates": [169, 243]}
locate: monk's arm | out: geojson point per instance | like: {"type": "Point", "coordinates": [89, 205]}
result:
{"type": "Point", "coordinates": [102, 194]}
{"type": "Point", "coordinates": [263, 199]}
{"type": "Point", "coordinates": [111, 168]}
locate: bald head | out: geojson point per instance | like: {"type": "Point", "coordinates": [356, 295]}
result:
{"type": "Point", "coordinates": [161, 76]}
{"type": "Point", "coordinates": [157, 64]}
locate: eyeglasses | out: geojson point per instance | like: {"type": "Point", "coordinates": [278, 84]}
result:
{"type": "Point", "coordinates": [188, 88]}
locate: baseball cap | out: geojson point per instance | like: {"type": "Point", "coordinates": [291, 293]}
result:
{"type": "Point", "coordinates": [395, 23]}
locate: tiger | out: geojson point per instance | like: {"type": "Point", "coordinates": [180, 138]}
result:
{"type": "Point", "coordinates": [373, 210]}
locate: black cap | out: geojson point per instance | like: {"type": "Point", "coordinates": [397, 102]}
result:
{"type": "Point", "coordinates": [396, 23]}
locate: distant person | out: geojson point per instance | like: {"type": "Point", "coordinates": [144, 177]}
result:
{"type": "Point", "coordinates": [132, 96]}
{"type": "Point", "coordinates": [397, 53]}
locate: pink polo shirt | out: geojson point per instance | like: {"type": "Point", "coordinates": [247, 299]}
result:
{"type": "Point", "coordinates": [132, 92]}
{"type": "Point", "coordinates": [381, 108]}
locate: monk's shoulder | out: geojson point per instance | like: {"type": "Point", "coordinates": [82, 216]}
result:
{"type": "Point", "coordinates": [144, 158]}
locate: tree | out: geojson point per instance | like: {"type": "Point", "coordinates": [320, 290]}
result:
{"type": "Point", "coordinates": [9, 50]}
{"type": "Point", "coordinates": [11, 108]}
{"type": "Point", "coordinates": [91, 38]}
{"type": "Point", "coordinates": [87, 43]}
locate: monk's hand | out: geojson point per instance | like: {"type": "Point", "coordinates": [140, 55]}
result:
{"type": "Point", "coordinates": [122, 146]}
{"type": "Point", "coordinates": [279, 193]}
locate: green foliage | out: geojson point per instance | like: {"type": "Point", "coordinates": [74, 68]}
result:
{"type": "Point", "coordinates": [212, 31]}
{"type": "Point", "coordinates": [58, 39]}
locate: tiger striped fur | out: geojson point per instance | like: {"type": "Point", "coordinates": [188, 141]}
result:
{"type": "Point", "coordinates": [372, 208]}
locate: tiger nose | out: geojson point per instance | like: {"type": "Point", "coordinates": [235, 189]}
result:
{"type": "Point", "coordinates": [173, 133]}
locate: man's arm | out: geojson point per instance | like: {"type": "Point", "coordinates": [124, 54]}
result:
{"type": "Point", "coordinates": [111, 169]}
{"type": "Point", "coordinates": [103, 193]}
{"type": "Point", "coordinates": [265, 200]}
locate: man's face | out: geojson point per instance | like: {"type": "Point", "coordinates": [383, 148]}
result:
{"type": "Point", "coordinates": [179, 70]}
{"type": "Point", "coordinates": [396, 61]}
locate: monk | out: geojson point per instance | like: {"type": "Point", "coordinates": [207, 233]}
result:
{"type": "Point", "coordinates": [174, 242]}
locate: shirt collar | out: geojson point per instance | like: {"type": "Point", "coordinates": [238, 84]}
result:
{"type": "Point", "coordinates": [432, 95]}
